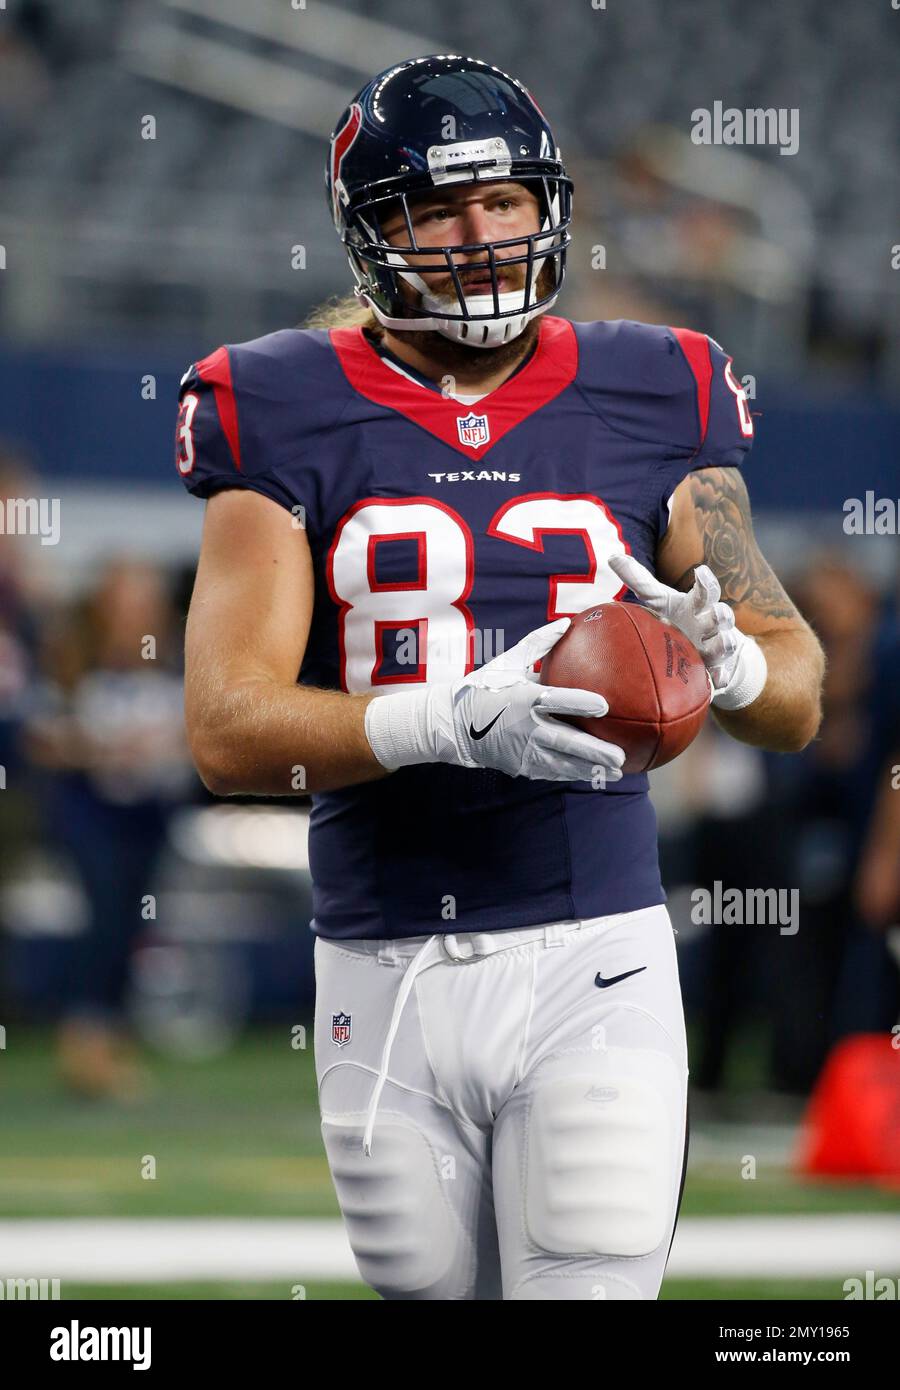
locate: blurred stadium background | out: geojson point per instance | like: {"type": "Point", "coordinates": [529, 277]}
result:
{"type": "Point", "coordinates": [161, 193]}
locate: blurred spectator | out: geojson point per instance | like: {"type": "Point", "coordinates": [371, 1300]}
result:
{"type": "Point", "coordinates": [842, 978]}
{"type": "Point", "coordinates": [109, 736]}
{"type": "Point", "coordinates": [20, 604]}
{"type": "Point", "coordinates": [735, 835]}
{"type": "Point", "coordinates": [877, 886]}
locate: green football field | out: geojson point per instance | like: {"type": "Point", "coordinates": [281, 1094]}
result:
{"type": "Point", "coordinates": [236, 1139]}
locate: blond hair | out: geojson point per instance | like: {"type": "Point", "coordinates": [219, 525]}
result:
{"type": "Point", "coordinates": [343, 311]}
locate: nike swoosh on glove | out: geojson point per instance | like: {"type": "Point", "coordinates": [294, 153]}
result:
{"type": "Point", "coordinates": [735, 662]}
{"type": "Point", "coordinates": [499, 716]}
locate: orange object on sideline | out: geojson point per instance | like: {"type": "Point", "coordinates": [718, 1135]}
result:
{"type": "Point", "coordinates": [852, 1125]}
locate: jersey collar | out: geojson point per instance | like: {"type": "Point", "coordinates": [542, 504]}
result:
{"type": "Point", "coordinates": [398, 365]}
{"type": "Point", "coordinates": [471, 430]}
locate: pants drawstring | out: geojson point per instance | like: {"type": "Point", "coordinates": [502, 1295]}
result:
{"type": "Point", "coordinates": [429, 954]}
{"type": "Point", "coordinates": [447, 947]}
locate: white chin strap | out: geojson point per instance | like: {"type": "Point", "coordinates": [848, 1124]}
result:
{"type": "Point", "coordinates": [475, 332]}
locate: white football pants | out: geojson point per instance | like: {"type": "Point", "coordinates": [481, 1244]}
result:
{"type": "Point", "coordinates": [505, 1113]}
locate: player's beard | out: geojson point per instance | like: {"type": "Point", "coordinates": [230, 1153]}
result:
{"type": "Point", "coordinates": [450, 355]}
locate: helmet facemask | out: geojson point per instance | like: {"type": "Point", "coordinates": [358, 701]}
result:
{"type": "Point", "coordinates": [480, 320]}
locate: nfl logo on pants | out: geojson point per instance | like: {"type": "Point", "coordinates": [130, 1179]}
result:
{"type": "Point", "coordinates": [341, 1026]}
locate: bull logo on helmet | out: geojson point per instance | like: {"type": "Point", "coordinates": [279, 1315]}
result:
{"type": "Point", "coordinates": [340, 144]}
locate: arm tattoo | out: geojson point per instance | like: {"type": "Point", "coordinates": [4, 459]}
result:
{"type": "Point", "coordinates": [722, 515]}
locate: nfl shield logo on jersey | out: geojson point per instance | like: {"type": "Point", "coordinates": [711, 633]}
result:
{"type": "Point", "coordinates": [341, 1026]}
{"type": "Point", "coordinates": [473, 429]}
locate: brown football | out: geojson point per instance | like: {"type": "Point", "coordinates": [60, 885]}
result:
{"type": "Point", "coordinates": [651, 675]}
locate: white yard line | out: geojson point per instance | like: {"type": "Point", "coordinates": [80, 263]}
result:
{"type": "Point", "coordinates": [789, 1247]}
{"type": "Point", "coordinates": [146, 1251]}
{"type": "Point", "coordinates": [227, 1250]}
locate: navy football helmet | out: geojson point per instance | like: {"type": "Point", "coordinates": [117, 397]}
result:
{"type": "Point", "coordinates": [430, 122]}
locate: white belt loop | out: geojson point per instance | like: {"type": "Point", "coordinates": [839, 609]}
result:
{"type": "Point", "coordinates": [555, 931]}
{"type": "Point", "coordinates": [457, 950]}
{"type": "Point", "coordinates": [419, 962]}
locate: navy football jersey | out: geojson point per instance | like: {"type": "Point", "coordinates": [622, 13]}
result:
{"type": "Point", "coordinates": [441, 533]}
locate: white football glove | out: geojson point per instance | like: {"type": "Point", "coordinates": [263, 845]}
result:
{"type": "Point", "coordinates": [499, 716]}
{"type": "Point", "coordinates": [735, 662]}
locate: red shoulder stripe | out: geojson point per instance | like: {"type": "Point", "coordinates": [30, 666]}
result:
{"type": "Point", "coordinates": [216, 370]}
{"type": "Point", "coordinates": [695, 347]}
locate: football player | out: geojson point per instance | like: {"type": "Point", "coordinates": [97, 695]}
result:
{"type": "Point", "coordinates": [406, 504]}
